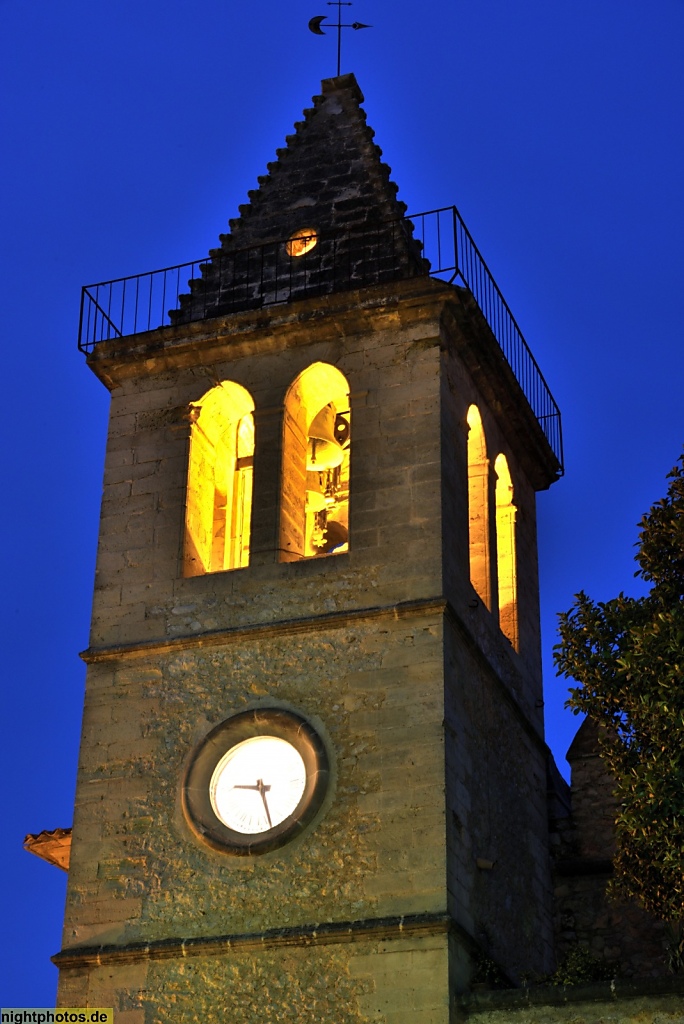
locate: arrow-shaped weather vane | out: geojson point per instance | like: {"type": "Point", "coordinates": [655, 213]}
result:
{"type": "Point", "coordinates": [315, 25]}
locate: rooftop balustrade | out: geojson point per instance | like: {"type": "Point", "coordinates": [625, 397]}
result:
{"type": "Point", "coordinates": [436, 243]}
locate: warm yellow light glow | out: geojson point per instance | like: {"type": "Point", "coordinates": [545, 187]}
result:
{"type": "Point", "coordinates": [478, 507]}
{"type": "Point", "coordinates": [219, 491]}
{"type": "Point", "coordinates": [506, 557]}
{"type": "Point", "coordinates": [301, 242]}
{"type": "Point", "coordinates": [257, 784]}
{"type": "Point", "coordinates": [315, 474]}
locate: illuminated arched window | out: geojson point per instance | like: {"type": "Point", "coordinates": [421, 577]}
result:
{"type": "Point", "coordinates": [506, 551]}
{"type": "Point", "coordinates": [314, 509]}
{"type": "Point", "coordinates": [219, 495]}
{"type": "Point", "coordinates": [478, 507]}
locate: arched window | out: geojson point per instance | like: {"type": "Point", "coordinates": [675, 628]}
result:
{"type": "Point", "coordinates": [314, 510]}
{"type": "Point", "coordinates": [506, 551]}
{"type": "Point", "coordinates": [478, 507]}
{"type": "Point", "coordinates": [219, 495]}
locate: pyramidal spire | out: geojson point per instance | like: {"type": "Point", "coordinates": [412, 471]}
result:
{"type": "Point", "coordinates": [329, 172]}
{"type": "Point", "coordinates": [325, 218]}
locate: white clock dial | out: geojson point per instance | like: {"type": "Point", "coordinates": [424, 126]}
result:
{"type": "Point", "coordinates": [257, 784]}
{"type": "Point", "coordinates": [256, 781]}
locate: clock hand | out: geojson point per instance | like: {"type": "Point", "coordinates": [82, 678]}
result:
{"type": "Point", "coordinates": [263, 790]}
{"type": "Point", "coordinates": [259, 787]}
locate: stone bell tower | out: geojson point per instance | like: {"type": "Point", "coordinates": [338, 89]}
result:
{"type": "Point", "coordinates": [312, 772]}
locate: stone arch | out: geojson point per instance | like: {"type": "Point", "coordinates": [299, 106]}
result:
{"type": "Point", "coordinates": [314, 505]}
{"type": "Point", "coordinates": [478, 507]}
{"type": "Point", "coordinates": [506, 551]}
{"type": "Point", "coordinates": [218, 509]}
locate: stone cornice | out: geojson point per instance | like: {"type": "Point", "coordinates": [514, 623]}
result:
{"type": "Point", "coordinates": [258, 630]}
{"type": "Point", "coordinates": [378, 929]}
{"type": "Point", "coordinates": [309, 624]}
{"type": "Point", "coordinates": [413, 301]}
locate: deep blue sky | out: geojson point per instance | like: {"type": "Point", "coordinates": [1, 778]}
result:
{"type": "Point", "coordinates": [131, 132]}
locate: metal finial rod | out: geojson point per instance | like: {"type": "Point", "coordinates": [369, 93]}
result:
{"type": "Point", "coordinates": [315, 26]}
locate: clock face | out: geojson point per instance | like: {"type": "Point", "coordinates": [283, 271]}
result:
{"type": "Point", "coordinates": [257, 784]}
{"type": "Point", "coordinates": [256, 781]}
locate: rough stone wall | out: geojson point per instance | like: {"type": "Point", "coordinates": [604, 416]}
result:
{"type": "Point", "coordinates": [583, 846]}
{"type": "Point", "coordinates": [593, 802]}
{"type": "Point", "coordinates": [398, 982]}
{"type": "Point", "coordinates": [520, 669]}
{"type": "Point", "coordinates": [374, 691]}
{"type": "Point", "coordinates": [140, 593]}
{"type": "Point", "coordinates": [354, 642]}
{"type": "Point", "coordinates": [372, 685]}
{"type": "Point", "coordinates": [496, 756]}
{"type": "Point", "coordinates": [498, 869]}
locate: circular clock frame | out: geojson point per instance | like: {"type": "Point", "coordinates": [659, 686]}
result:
{"type": "Point", "coordinates": [197, 786]}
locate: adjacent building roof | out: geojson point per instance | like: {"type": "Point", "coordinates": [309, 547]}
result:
{"type": "Point", "coordinates": [54, 847]}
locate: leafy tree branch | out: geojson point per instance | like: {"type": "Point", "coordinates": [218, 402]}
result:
{"type": "Point", "coordinates": [627, 655]}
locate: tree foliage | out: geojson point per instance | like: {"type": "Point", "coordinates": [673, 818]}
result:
{"type": "Point", "coordinates": [628, 657]}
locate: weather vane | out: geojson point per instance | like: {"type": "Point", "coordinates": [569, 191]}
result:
{"type": "Point", "coordinates": [315, 25]}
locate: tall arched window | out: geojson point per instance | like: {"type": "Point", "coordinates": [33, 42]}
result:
{"type": "Point", "coordinates": [219, 494]}
{"type": "Point", "coordinates": [478, 507]}
{"type": "Point", "coordinates": [506, 558]}
{"type": "Point", "coordinates": [314, 510]}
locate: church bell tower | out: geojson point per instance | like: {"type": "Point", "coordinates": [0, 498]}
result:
{"type": "Point", "coordinates": [312, 776]}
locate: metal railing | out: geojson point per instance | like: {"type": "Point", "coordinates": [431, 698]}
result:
{"type": "Point", "coordinates": [231, 281]}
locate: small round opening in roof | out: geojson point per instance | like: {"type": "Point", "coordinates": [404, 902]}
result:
{"type": "Point", "coordinates": [301, 242]}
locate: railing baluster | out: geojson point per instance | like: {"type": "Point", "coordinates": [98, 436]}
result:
{"type": "Point", "coordinates": [123, 303]}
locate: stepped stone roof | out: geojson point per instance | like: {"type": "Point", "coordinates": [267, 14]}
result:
{"type": "Point", "coordinates": [329, 179]}
{"type": "Point", "coordinates": [330, 172]}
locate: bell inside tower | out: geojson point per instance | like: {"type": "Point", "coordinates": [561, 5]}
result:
{"type": "Point", "coordinates": [315, 477]}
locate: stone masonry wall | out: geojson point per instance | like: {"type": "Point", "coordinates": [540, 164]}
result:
{"type": "Point", "coordinates": [354, 642]}
{"type": "Point", "coordinates": [498, 868]}
{"type": "Point", "coordinates": [615, 930]}
{"type": "Point", "coordinates": [373, 690]}
{"type": "Point", "coordinates": [496, 756]}
{"type": "Point", "coordinates": [521, 669]}
{"type": "Point", "coordinates": [140, 593]}
{"type": "Point", "coordinates": [396, 982]}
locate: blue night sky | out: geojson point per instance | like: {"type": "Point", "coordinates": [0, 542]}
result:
{"type": "Point", "coordinates": [131, 133]}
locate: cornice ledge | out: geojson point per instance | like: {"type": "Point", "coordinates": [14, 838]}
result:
{"type": "Point", "coordinates": [233, 634]}
{"type": "Point", "coordinates": [378, 929]}
{"type": "Point", "coordinates": [323, 318]}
